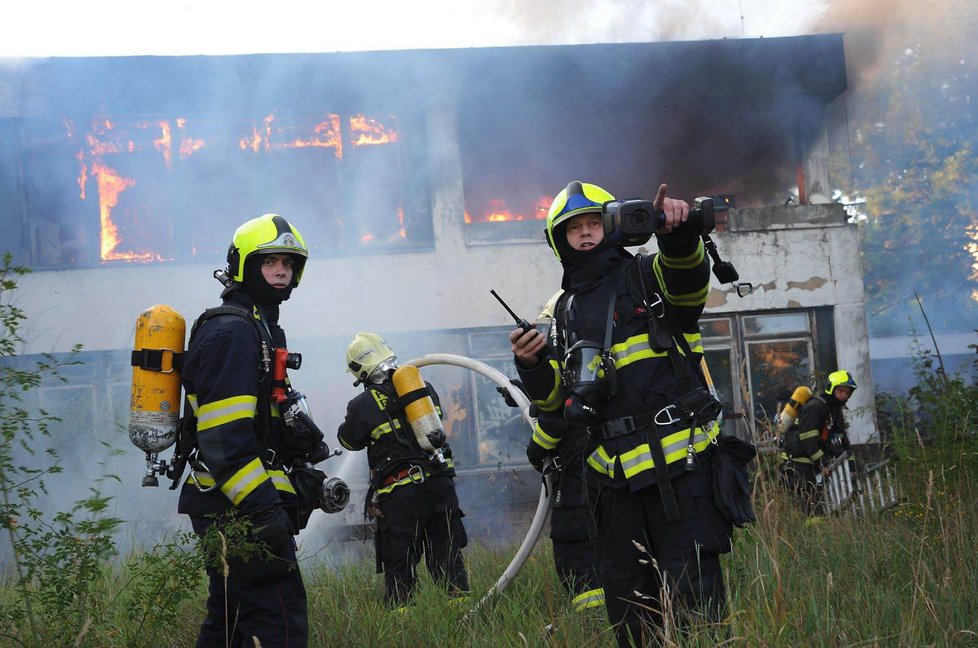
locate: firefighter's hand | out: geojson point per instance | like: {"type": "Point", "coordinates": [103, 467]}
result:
{"type": "Point", "coordinates": [527, 345]}
{"type": "Point", "coordinates": [272, 528]}
{"type": "Point", "coordinates": [536, 455]}
{"type": "Point", "coordinates": [826, 471]}
{"type": "Point", "coordinates": [509, 397]}
{"type": "Point", "coordinates": [676, 211]}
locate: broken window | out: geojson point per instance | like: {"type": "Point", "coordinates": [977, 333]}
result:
{"type": "Point", "coordinates": [165, 188]}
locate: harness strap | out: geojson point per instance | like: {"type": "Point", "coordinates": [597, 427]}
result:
{"type": "Point", "coordinates": [152, 360]}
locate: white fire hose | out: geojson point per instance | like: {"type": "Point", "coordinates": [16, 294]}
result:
{"type": "Point", "coordinates": [543, 505]}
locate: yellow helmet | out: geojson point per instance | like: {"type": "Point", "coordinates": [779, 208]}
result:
{"type": "Point", "coordinates": [840, 378]}
{"type": "Point", "coordinates": [369, 357]}
{"type": "Point", "coordinates": [576, 198]}
{"type": "Point", "coordinates": [268, 234]}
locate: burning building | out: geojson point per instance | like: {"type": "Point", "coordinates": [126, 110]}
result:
{"type": "Point", "coordinates": [421, 180]}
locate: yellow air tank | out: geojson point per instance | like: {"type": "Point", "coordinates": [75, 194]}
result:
{"type": "Point", "coordinates": [420, 411]}
{"type": "Point", "coordinates": [154, 408]}
{"type": "Point", "coordinates": [789, 413]}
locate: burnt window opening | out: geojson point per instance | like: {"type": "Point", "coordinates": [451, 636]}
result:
{"type": "Point", "coordinates": [524, 137]}
{"type": "Point", "coordinates": [756, 360]}
{"type": "Point", "coordinates": [145, 189]}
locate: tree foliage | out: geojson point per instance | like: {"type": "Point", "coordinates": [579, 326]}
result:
{"type": "Point", "coordinates": [914, 141]}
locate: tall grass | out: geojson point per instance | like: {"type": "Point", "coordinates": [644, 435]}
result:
{"type": "Point", "coordinates": [903, 577]}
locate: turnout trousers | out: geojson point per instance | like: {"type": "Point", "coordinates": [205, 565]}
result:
{"type": "Point", "coordinates": [659, 575]}
{"type": "Point", "coordinates": [800, 479]}
{"type": "Point", "coordinates": [571, 527]}
{"type": "Point", "coordinates": [261, 598]}
{"type": "Point", "coordinates": [422, 518]}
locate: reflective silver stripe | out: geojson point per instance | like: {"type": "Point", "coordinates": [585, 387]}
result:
{"type": "Point", "coordinates": [226, 410]}
{"type": "Point", "coordinates": [589, 599]}
{"type": "Point", "coordinates": [281, 481]}
{"type": "Point", "coordinates": [600, 461]}
{"type": "Point", "coordinates": [639, 459]}
{"type": "Point", "coordinates": [245, 481]}
{"type": "Point", "coordinates": [543, 439]}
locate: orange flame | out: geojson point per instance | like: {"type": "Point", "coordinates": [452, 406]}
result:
{"type": "Point", "coordinates": [500, 212]}
{"type": "Point", "coordinates": [165, 142]}
{"type": "Point", "coordinates": [110, 185]}
{"type": "Point", "coordinates": [368, 131]}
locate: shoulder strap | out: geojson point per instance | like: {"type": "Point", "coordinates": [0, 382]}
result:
{"type": "Point", "coordinates": [217, 311]}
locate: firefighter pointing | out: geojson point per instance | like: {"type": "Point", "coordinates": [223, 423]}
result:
{"type": "Point", "coordinates": [245, 451]}
{"type": "Point", "coordinates": [412, 495]}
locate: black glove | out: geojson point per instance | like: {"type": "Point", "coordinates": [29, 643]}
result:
{"type": "Point", "coordinates": [732, 486]}
{"type": "Point", "coordinates": [509, 397]}
{"type": "Point", "coordinates": [536, 455]}
{"type": "Point", "coordinates": [272, 528]}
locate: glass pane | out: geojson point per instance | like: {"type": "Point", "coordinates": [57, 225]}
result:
{"type": "Point", "coordinates": [776, 368]}
{"type": "Point", "coordinates": [715, 328]}
{"type": "Point", "coordinates": [768, 324]}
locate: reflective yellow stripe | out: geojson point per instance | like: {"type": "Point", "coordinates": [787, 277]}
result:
{"type": "Point", "coordinates": [281, 481]}
{"type": "Point", "coordinates": [201, 478]}
{"type": "Point", "coordinates": [682, 263]}
{"type": "Point", "coordinates": [588, 599]}
{"type": "Point", "coordinates": [543, 439]}
{"type": "Point", "coordinates": [410, 479]}
{"type": "Point", "coordinates": [601, 462]}
{"type": "Point", "coordinates": [383, 429]}
{"type": "Point", "coordinates": [225, 410]}
{"type": "Point", "coordinates": [246, 480]}
{"type": "Point", "coordinates": [553, 400]}
{"type": "Point", "coordinates": [807, 435]}
{"type": "Point", "coordinates": [803, 460]}
{"type": "Point", "coordinates": [697, 298]}
{"type": "Point", "coordinates": [695, 342]}
{"type": "Point", "coordinates": [636, 460]}
{"type": "Point", "coordinates": [634, 349]}
{"type": "Point", "coordinates": [639, 458]}
{"type": "Point", "coordinates": [192, 399]}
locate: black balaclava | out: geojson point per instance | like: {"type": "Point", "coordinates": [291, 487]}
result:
{"type": "Point", "coordinates": [585, 269]}
{"type": "Point", "coordinates": [260, 290]}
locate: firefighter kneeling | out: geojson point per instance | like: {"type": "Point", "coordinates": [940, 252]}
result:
{"type": "Point", "coordinates": [412, 491]}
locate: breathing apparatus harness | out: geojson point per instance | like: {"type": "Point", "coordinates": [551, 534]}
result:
{"type": "Point", "coordinates": [297, 450]}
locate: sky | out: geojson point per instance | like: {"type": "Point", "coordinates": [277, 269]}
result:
{"type": "Point", "coordinates": [43, 28]}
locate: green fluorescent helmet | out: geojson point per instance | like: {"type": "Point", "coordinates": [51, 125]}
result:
{"type": "Point", "coordinates": [268, 234]}
{"type": "Point", "coordinates": [576, 198]}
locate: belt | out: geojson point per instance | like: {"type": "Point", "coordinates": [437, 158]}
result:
{"type": "Point", "coordinates": [416, 473]}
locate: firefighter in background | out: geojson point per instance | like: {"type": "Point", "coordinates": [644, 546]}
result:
{"type": "Point", "coordinates": [818, 436]}
{"type": "Point", "coordinates": [238, 476]}
{"type": "Point", "coordinates": [412, 488]}
{"type": "Point", "coordinates": [655, 513]}
{"type": "Point", "coordinates": [571, 524]}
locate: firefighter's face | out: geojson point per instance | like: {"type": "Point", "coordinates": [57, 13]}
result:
{"type": "Point", "coordinates": [585, 231]}
{"type": "Point", "coordinates": [842, 393]}
{"type": "Point", "coordinates": [277, 270]}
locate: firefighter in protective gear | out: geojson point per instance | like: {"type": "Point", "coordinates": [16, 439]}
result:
{"type": "Point", "coordinates": [571, 523]}
{"type": "Point", "coordinates": [648, 460]}
{"type": "Point", "coordinates": [412, 490]}
{"type": "Point", "coordinates": [814, 440]}
{"type": "Point", "coordinates": [239, 468]}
